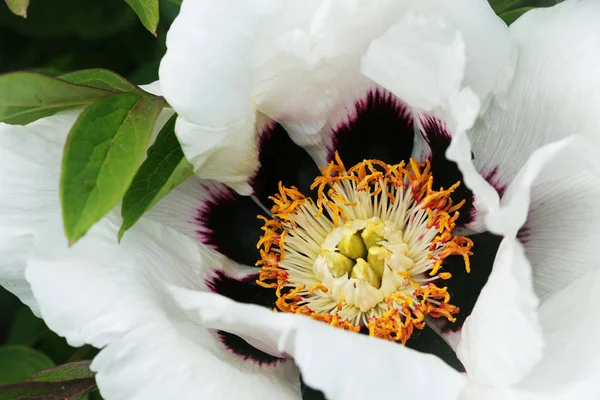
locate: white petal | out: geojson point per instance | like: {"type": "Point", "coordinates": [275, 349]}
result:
{"type": "Point", "coordinates": [443, 56]}
{"type": "Point", "coordinates": [556, 193]}
{"type": "Point", "coordinates": [342, 365]}
{"type": "Point", "coordinates": [489, 49]}
{"type": "Point", "coordinates": [308, 67]}
{"type": "Point", "coordinates": [486, 198]}
{"type": "Point", "coordinates": [206, 75]}
{"type": "Point", "coordinates": [153, 88]}
{"type": "Point", "coordinates": [502, 340]}
{"type": "Point", "coordinates": [113, 296]}
{"type": "Point", "coordinates": [422, 60]}
{"type": "Point", "coordinates": [561, 233]}
{"type": "Point", "coordinates": [179, 208]}
{"type": "Point", "coordinates": [474, 391]}
{"type": "Point", "coordinates": [570, 366]}
{"type": "Point", "coordinates": [554, 91]}
{"type": "Point", "coordinates": [228, 154]}
{"type": "Point", "coordinates": [29, 174]}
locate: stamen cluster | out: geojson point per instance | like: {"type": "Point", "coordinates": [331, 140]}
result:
{"type": "Point", "coordinates": [369, 253]}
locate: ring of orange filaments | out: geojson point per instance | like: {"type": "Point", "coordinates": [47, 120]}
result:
{"type": "Point", "coordinates": [405, 312]}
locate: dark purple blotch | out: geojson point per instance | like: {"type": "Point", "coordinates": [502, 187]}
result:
{"type": "Point", "coordinates": [244, 290]}
{"type": "Point", "coordinates": [228, 223]}
{"type": "Point", "coordinates": [445, 172]}
{"type": "Point", "coordinates": [281, 160]}
{"type": "Point", "coordinates": [380, 127]}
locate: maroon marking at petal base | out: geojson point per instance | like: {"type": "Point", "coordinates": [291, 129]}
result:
{"type": "Point", "coordinates": [228, 223]}
{"type": "Point", "coordinates": [445, 172]}
{"type": "Point", "coordinates": [381, 127]}
{"type": "Point", "coordinates": [244, 290]}
{"type": "Point", "coordinates": [280, 159]}
{"type": "Point", "coordinates": [493, 179]}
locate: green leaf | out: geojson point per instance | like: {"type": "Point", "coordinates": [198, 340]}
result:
{"type": "Point", "coordinates": [164, 169]}
{"type": "Point", "coordinates": [17, 363]}
{"type": "Point", "coordinates": [147, 11]}
{"type": "Point", "coordinates": [18, 7]}
{"type": "Point", "coordinates": [511, 16]}
{"type": "Point", "coordinates": [102, 79]}
{"type": "Point", "coordinates": [102, 153]}
{"type": "Point", "coordinates": [64, 372]}
{"type": "Point", "coordinates": [66, 390]}
{"type": "Point", "coordinates": [501, 6]}
{"type": "Point", "coordinates": [26, 96]}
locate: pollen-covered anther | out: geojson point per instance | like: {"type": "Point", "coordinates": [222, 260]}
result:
{"type": "Point", "coordinates": [368, 252]}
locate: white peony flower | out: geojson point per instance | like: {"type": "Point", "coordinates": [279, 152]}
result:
{"type": "Point", "coordinates": [265, 92]}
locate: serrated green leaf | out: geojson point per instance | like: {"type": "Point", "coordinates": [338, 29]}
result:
{"type": "Point", "coordinates": [18, 363]}
{"type": "Point", "coordinates": [102, 153]}
{"type": "Point", "coordinates": [18, 7]}
{"type": "Point", "coordinates": [164, 169]}
{"type": "Point", "coordinates": [67, 390]}
{"type": "Point", "coordinates": [64, 372]}
{"type": "Point", "coordinates": [102, 79]}
{"type": "Point", "coordinates": [511, 16]}
{"type": "Point", "coordinates": [147, 12]}
{"type": "Point", "coordinates": [27, 96]}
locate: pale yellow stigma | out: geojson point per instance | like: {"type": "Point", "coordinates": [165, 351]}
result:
{"type": "Point", "coordinates": [368, 253]}
{"type": "Point", "coordinates": [338, 264]}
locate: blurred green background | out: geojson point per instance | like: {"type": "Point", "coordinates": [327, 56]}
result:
{"type": "Point", "coordinates": [59, 36]}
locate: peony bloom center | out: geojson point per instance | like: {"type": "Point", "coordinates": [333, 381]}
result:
{"type": "Point", "coordinates": [368, 251]}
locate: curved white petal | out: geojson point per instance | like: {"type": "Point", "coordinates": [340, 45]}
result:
{"type": "Point", "coordinates": [490, 53]}
{"type": "Point", "coordinates": [502, 340]}
{"type": "Point", "coordinates": [308, 68]}
{"type": "Point", "coordinates": [207, 77]}
{"type": "Point", "coordinates": [554, 199]}
{"type": "Point", "coordinates": [486, 198]}
{"type": "Point", "coordinates": [422, 61]}
{"type": "Point", "coordinates": [570, 366]}
{"type": "Point", "coordinates": [554, 91]}
{"type": "Point", "coordinates": [443, 57]}
{"type": "Point", "coordinates": [228, 154]}
{"type": "Point", "coordinates": [561, 234]}
{"type": "Point", "coordinates": [29, 174]}
{"type": "Point", "coordinates": [180, 206]}
{"type": "Point", "coordinates": [153, 88]}
{"type": "Point", "coordinates": [114, 296]}
{"type": "Point", "coordinates": [342, 365]}
{"type": "Point", "coordinates": [474, 391]}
